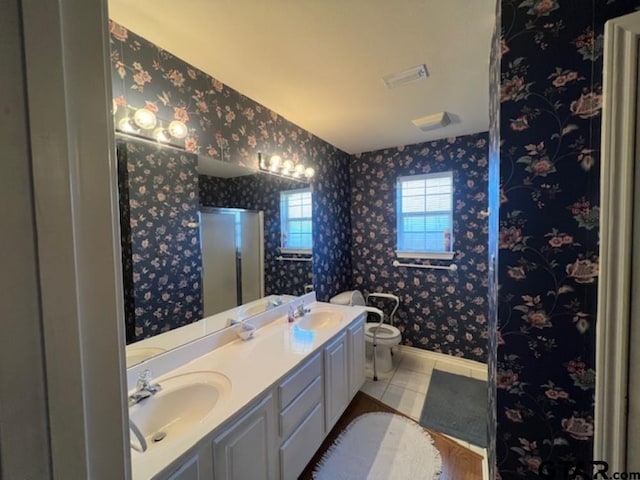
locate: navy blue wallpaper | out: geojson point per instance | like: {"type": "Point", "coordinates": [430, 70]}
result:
{"type": "Point", "coordinates": [223, 123]}
{"type": "Point", "coordinates": [440, 311]}
{"type": "Point", "coordinates": [551, 99]}
{"type": "Point", "coordinates": [261, 192]}
{"type": "Point", "coordinates": [228, 126]}
{"type": "Point", "coordinates": [162, 264]}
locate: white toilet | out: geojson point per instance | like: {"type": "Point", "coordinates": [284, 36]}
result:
{"type": "Point", "coordinates": [383, 336]}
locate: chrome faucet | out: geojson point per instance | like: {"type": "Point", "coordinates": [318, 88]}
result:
{"type": "Point", "coordinates": [274, 302]}
{"type": "Point", "coordinates": [300, 311]}
{"type": "Point", "coordinates": [144, 388]}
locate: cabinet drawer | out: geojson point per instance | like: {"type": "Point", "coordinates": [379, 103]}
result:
{"type": "Point", "coordinates": [291, 416]}
{"type": "Point", "coordinates": [296, 452]}
{"type": "Point", "coordinates": [298, 381]}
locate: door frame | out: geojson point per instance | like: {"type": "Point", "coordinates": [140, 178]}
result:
{"type": "Point", "coordinates": [619, 115]}
{"type": "Point", "coordinates": [73, 175]}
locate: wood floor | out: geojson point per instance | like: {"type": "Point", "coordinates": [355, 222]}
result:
{"type": "Point", "coordinates": [458, 463]}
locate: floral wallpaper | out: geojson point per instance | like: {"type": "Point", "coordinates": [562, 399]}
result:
{"type": "Point", "coordinates": [225, 125]}
{"type": "Point", "coordinates": [222, 123]}
{"type": "Point", "coordinates": [440, 311]}
{"type": "Point", "coordinates": [550, 114]}
{"type": "Point", "coordinates": [261, 192]}
{"type": "Point", "coordinates": [162, 264]}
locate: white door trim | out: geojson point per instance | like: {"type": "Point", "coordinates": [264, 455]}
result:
{"type": "Point", "coordinates": [66, 54]}
{"type": "Point", "coordinates": [614, 294]}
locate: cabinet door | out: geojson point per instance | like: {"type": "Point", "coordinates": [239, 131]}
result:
{"type": "Point", "coordinates": [197, 467]}
{"type": "Point", "coordinates": [356, 356]}
{"type": "Point", "coordinates": [247, 449]}
{"type": "Point", "coordinates": [336, 384]}
{"type": "Point", "coordinates": [188, 471]}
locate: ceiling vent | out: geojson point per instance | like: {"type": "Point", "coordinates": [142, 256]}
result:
{"type": "Point", "coordinates": [410, 75]}
{"type": "Point", "coordinates": [432, 122]}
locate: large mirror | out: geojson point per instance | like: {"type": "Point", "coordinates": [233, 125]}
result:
{"type": "Point", "coordinates": [204, 242]}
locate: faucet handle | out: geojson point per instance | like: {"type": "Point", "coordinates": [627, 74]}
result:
{"type": "Point", "coordinates": [144, 379]}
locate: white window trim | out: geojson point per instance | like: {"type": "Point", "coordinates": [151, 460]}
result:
{"type": "Point", "coordinates": [426, 255]}
{"type": "Point", "coordinates": [297, 251]}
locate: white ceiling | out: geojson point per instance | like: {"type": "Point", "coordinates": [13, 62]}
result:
{"type": "Point", "coordinates": [320, 63]}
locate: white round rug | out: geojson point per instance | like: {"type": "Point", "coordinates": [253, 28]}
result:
{"type": "Point", "coordinates": [382, 446]}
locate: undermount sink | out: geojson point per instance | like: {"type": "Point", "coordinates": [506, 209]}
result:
{"type": "Point", "coordinates": [137, 355]}
{"type": "Point", "coordinates": [184, 401]}
{"type": "Point", "coordinates": [252, 310]}
{"type": "Point", "coordinates": [320, 319]}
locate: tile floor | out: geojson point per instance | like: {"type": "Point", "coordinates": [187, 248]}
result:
{"type": "Point", "coordinates": [405, 387]}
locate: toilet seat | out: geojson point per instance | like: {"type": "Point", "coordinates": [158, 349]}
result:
{"type": "Point", "coordinates": [386, 334]}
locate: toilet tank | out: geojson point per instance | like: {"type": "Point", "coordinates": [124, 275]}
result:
{"type": "Point", "coordinates": [351, 297]}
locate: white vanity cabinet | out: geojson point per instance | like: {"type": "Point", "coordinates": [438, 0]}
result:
{"type": "Point", "coordinates": [301, 418]}
{"type": "Point", "coordinates": [246, 449]}
{"type": "Point", "coordinates": [356, 340]}
{"type": "Point", "coordinates": [278, 433]}
{"type": "Point", "coordinates": [336, 380]}
{"type": "Point", "coordinates": [188, 471]}
{"type": "Point", "coordinates": [196, 467]}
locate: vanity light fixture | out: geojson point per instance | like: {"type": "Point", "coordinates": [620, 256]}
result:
{"type": "Point", "coordinates": [286, 168]}
{"type": "Point", "coordinates": [178, 129]}
{"type": "Point", "coordinates": [274, 163]}
{"type": "Point", "coordinates": [127, 125]}
{"type": "Point", "coordinates": [145, 118]}
{"type": "Point", "coordinates": [162, 135]}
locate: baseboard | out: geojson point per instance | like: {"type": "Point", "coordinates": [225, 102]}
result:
{"type": "Point", "coordinates": [443, 357]}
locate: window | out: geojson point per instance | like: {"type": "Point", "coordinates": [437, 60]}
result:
{"type": "Point", "coordinates": [425, 216]}
{"type": "Point", "coordinates": [295, 221]}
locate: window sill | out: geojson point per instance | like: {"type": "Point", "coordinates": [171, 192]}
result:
{"type": "Point", "coordinates": [295, 251]}
{"type": "Point", "coordinates": [426, 255]}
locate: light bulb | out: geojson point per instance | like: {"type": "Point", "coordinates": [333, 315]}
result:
{"type": "Point", "coordinates": [145, 118]}
{"type": "Point", "coordinates": [126, 125]}
{"type": "Point", "coordinates": [299, 169]}
{"type": "Point", "coordinates": [274, 162]}
{"type": "Point", "coordinates": [287, 166]}
{"type": "Point", "coordinates": [178, 129]}
{"type": "Point", "coordinates": [309, 172]}
{"type": "Point", "coordinates": [162, 135]}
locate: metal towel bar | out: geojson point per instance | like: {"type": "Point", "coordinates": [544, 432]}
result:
{"type": "Point", "coordinates": [453, 267]}
{"type": "Point", "coordinates": [293, 259]}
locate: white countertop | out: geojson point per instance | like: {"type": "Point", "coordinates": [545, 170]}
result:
{"type": "Point", "coordinates": [253, 367]}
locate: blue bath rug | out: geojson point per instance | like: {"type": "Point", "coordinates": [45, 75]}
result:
{"type": "Point", "coordinates": [457, 406]}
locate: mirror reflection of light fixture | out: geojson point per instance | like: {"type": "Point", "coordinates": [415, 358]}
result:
{"type": "Point", "coordinates": [162, 135]}
{"type": "Point", "coordinates": [178, 129]}
{"type": "Point", "coordinates": [145, 118]}
{"type": "Point", "coordinates": [127, 125]}
{"type": "Point", "coordinates": [274, 163]}
{"type": "Point", "coordinates": [286, 168]}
